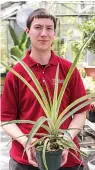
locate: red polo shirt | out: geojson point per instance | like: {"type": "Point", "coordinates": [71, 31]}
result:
{"type": "Point", "coordinates": [18, 102]}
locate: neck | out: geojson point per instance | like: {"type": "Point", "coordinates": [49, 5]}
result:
{"type": "Point", "coordinates": [41, 57]}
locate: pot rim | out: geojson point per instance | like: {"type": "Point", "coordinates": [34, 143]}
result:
{"type": "Point", "coordinates": [91, 165]}
{"type": "Point", "coordinates": [59, 151]}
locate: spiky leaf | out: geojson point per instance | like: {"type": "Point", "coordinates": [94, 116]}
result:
{"type": "Point", "coordinates": [22, 41]}
{"type": "Point", "coordinates": [13, 35]}
{"type": "Point", "coordinates": [16, 51]}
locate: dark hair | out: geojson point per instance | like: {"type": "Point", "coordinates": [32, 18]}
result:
{"type": "Point", "coordinates": [40, 13]}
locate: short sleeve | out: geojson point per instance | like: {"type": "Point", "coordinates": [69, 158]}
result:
{"type": "Point", "coordinates": [77, 89]}
{"type": "Point", "coordinates": [9, 99]}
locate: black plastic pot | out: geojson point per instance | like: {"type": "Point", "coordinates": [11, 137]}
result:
{"type": "Point", "coordinates": [2, 76]}
{"type": "Point", "coordinates": [53, 160]}
{"type": "Point", "coordinates": [91, 116]}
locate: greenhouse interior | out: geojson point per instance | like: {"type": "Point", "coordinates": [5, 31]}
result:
{"type": "Point", "coordinates": [75, 23]}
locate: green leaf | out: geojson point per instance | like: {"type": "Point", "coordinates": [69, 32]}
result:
{"type": "Point", "coordinates": [44, 152]}
{"type": "Point", "coordinates": [25, 121]}
{"type": "Point", "coordinates": [65, 131]}
{"type": "Point", "coordinates": [72, 105]}
{"type": "Point", "coordinates": [37, 84]}
{"type": "Point", "coordinates": [64, 144]}
{"type": "Point", "coordinates": [54, 108]}
{"type": "Point", "coordinates": [28, 85]}
{"type": "Point", "coordinates": [82, 153]}
{"type": "Point", "coordinates": [39, 141]}
{"type": "Point", "coordinates": [68, 143]}
{"type": "Point", "coordinates": [13, 35]}
{"type": "Point", "coordinates": [28, 43]}
{"type": "Point", "coordinates": [16, 51]}
{"type": "Point", "coordinates": [18, 121]}
{"type": "Point", "coordinates": [49, 96]}
{"type": "Point", "coordinates": [35, 128]}
{"type": "Point", "coordinates": [17, 138]}
{"type": "Point", "coordinates": [22, 39]}
{"type": "Point", "coordinates": [75, 110]}
{"type": "Point", "coordinates": [22, 47]}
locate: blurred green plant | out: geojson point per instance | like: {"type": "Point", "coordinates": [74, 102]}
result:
{"type": "Point", "coordinates": [87, 28]}
{"type": "Point", "coordinates": [59, 47]}
{"type": "Point", "coordinates": [89, 84]}
{"type": "Point", "coordinates": [82, 71]}
{"type": "Point", "coordinates": [3, 41]}
{"type": "Point", "coordinates": [75, 48]}
{"type": "Point", "coordinates": [20, 45]}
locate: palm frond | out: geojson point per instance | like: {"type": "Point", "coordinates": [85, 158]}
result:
{"type": "Point", "coordinates": [75, 110]}
{"type": "Point", "coordinates": [35, 128]}
{"type": "Point", "coordinates": [36, 82]}
{"type": "Point", "coordinates": [73, 104]}
{"type": "Point", "coordinates": [54, 107]}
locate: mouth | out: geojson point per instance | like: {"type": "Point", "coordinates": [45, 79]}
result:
{"type": "Point", "coordinates": [43, 40]}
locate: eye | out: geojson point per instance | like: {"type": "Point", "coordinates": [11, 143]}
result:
{"type": "Point", "coordinates": [38, 28]}
{"type": "Point", "coordinates": [49, 28]}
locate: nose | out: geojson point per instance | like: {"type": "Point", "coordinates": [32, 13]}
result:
{"type": "Point", "coordinates": [44, 32]}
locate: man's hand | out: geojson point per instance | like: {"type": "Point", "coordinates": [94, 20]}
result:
{"type": "Point", "coordinates": [31, 154]}
{"type": "Point", "coordinates": [64, 156]}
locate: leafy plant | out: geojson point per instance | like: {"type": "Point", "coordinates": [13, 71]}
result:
{"type": "Point", "coordinates": [89, 84]}
{"type": "Point", "coordinates": [76, 45]}
{"type": "Point", "coordinates": [59, 47]}
{"type": "Point", "coordinates": [20, 45]}
{"type": "Point", "coordinates": [88, 27]}
{"type": "Point", "coordinates": [54, 121]}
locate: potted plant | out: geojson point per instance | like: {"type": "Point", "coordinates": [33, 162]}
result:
{"type": "Point", "coordinates": [91, 164]}
{"type": "Point", "coordinates": [54, 140]}
{"type": "Point", "coordinates": [88, 28]}
{"type": "Point", "coordinates": [91, 113]}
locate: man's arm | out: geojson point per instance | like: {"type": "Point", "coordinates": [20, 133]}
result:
{"type": "Point", "coordinates": [77, 122]}
{"type": "Point", "coordinates": [14, 132]}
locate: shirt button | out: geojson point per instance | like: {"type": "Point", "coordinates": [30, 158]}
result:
{"type": "Point", "coordinates": [43, 72]}
{"type": "Point", "coordinates": [43, 80]}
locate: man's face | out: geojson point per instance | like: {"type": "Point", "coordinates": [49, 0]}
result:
{"type": "Point", "coordinates": [41, 33]}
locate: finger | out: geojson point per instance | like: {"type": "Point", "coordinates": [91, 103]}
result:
{"type": "Point", "coordinates": [33, 163]}
{"type": "Point", "coordinates": [63, 162]}
{"type": "Point", "coordinates": [64, 156]}
{"type": "Point", "coordinates": [30, 158]}
{"type": "Point", "coordinates": [34, 152]}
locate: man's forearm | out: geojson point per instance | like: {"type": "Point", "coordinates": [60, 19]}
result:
{"type": "Point", "coordinates": [77, 122]}
{"type": "Point", "coordinates": [14, 132]}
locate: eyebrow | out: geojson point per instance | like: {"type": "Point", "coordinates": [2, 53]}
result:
{"type": "Point", "coordinates": [42, 25]}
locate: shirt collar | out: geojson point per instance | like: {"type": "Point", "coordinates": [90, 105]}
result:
{"type": "Point", "coordinates": [30, 62]}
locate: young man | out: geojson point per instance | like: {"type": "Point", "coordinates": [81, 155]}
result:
{"type": "Point", "coordinates": [19, 103]}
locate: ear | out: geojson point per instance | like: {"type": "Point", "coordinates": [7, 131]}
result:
{"type": "Point", "coordinates": [27, 31]}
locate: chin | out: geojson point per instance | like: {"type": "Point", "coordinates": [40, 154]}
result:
{"type": "Point", "coordinates": [45, 48]}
